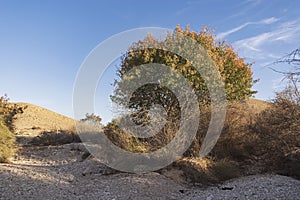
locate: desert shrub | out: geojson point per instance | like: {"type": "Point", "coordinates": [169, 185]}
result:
{"type": "Point", "coordinates": [7, 138]}
{"type": "Point", "coordinates": [58, 137]}
{"type": "Point", "coordinates": [7, 142]}
{"type": "Point", "coordinates": [278, 130]}
{"type": "Point", "coordinates": [8, 111]}
{"type": "Point", "coordinates": [207, 171]}
{"type": "Point", "coordinates": [237, 140]}
{"type": "Point", "coordinates": [226, 169]}
{"type": "Point", "coordinates": [122, 139]}
{"type": "Point", "coordinates": [196, 170]}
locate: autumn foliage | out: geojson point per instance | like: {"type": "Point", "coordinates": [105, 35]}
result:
{"type": "Point", "coordinates": [235, 72]}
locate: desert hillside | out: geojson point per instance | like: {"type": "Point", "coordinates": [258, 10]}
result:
{"type": "Point", "coordinates": [35, 117]}
{"type": "Point", "coordinates": [35, 121]}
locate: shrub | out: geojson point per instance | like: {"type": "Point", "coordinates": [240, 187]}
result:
{"type": "Point", "coordinates": [7, 138]}
{"type": "Point", "coordinates": [122, 139]}
{"type": "Point", "coordinates": [278, 130]}
{"type": "Point", "coordinates": [8, 111]}
{"type": "Point", "coordinates": [207, 170]}
{"type": "Point", "coordinates": [7, 142]}
{"type": "Point", "coordinates": [58, 137]}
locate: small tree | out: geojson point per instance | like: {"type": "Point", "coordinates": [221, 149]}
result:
{"type": "Point", "coordinates": [92, 118]}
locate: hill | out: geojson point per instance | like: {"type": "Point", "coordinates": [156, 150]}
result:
{"type": "Point", "coordinates": [35, 117]}
{"type": "Point", "coordinates": [36, 121]}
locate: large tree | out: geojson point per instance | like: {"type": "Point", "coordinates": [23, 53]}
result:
{"type": "Point", "coordinates": [235, 73]}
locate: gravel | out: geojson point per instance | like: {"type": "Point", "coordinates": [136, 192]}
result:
{"type": "Point", "coordinates": [58, 172]}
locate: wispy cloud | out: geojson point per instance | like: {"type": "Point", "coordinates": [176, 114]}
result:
{"type": "Point", "coordinates": [257, 46]}
{"type": "Point", "coordinates": [262, 22]}
{"type": "Point", "coordinates": [245, 7]}
{"type": "Point", "coordinates": [254, 2]}
{"type": "Point", "coordinates": [188, 5]}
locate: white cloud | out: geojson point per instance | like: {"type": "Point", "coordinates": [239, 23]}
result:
{"type": "Point", "coordinates": [269, 20]}
{"type": "Point", "coordinates": [261, 46]}
{"type": "Point", "coordinates": [262, 22]}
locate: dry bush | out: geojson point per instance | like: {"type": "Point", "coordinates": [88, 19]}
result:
{"type": "Point", "coordinates": [237, 140]}
{"type": "Point", "coordinates": [7, 138]}
{"type": "Point", "coordinates": [279, 136]}
{"type": "Point", "coordinates": [196, 170]}
{"type": "Point", "coordinates": [205, 116]}
{"type": "Point", "coordinates": [58, 137]}
{"type": "Point", "coordinates": [257, 137]}
{"type": "Point", "coordinates": [226, 169]}
{"type": "Point", "coordinates": [122, 139]}
{"type": "Point", "coordinates": [207, 171]}
{"type": "Point", "coordinates": [7, 142]}
{"type": "Point", "coordinates": [236, 150]}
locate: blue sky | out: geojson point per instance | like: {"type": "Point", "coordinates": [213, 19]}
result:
{"type": "Point", "coordinates": [43, 43]}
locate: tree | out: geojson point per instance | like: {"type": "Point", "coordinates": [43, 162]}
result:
{"type": "Point", "coordinates": [92, 119]}
{"type": "Point", "coordinates": [234, 71]}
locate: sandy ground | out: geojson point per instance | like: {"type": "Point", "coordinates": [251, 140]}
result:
{"type": "Point", "coordinates": [58, 172]}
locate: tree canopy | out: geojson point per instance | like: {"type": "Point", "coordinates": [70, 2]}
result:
{"type": "Point", "coordinates": [234, 71]}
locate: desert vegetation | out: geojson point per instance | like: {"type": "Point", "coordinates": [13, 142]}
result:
{"type": "Point", "coordinates": [7, 137]}
{"type": "Point", "coordinates": [257, 137]}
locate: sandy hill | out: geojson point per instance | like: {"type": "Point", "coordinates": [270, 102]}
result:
{"type": "Point", "coordinates": [35, 117]}
{"type": "Point", "coordinates": [35, 120]}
